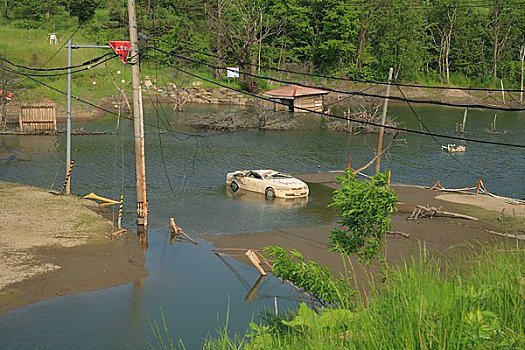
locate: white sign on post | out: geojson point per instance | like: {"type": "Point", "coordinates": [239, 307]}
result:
{"type": "Point", "coordinates": [232, 72]}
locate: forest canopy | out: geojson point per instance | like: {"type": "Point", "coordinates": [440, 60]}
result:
{"type": "Point", "coordinates": [462, 42]}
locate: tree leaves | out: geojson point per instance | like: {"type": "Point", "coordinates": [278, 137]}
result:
{"type": "Point", "coordinates": [366, 207]}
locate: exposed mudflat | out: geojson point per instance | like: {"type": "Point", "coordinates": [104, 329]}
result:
{"type": "Point", "coordinates": [56, 245]}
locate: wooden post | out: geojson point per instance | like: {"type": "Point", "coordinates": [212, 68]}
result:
{"type": "Point", "coordinates": [348, 125]}
{"type": "Point", "coordinates": [462, 125]}
{"type": "Point", "coordinates": [120, 209]}
{"type": "Point", "coordinates": [176, 231]}
{"type": "Point", "coordinates": [494, 122]}
{"type": "Point", "coordinates": [383, 120]}
{"type": "Point", "coordinates": [250, 254]}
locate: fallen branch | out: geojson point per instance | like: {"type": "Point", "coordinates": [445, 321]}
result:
{"type": "Point", "coordinates": [507, 235]}
{"type": "Point", "coordinates": [431, 212]}
{"type": "Point", "coordinates": [372, 161]}
{"type": "Point", "coordinates": [118, 233]}
{"type": "Point", "coordinates": [71, 237]}
{"type": "Point", "coordinates": [398, 233]}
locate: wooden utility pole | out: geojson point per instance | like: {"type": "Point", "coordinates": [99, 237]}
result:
{"type": "Point", "coordinates": [383, 120]}
{"type": "Point", "coordinates": [138, 123]}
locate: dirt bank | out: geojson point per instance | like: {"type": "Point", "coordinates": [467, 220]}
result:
{"type": "Point", "coordinates": [438, 235]}
{"type": "Point", "coordinates": [56, 245]}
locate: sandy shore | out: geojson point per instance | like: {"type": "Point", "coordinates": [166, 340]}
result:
{"type": "Point", "coordinates": [438, 236]}
{"type": "Point", "coordinates": [56, 245]}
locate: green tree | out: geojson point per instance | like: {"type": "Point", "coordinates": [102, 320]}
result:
{"type": "Point", "coordinates": [84, 10]}
{"type": "Point", "coordinates": [443, 20]}
{"type": "Point", "coordinates": [401, 41]}
{"type": "Point", "coordinates": [340, 26]}
{"type": "Point", "coordinates": [366, 208]}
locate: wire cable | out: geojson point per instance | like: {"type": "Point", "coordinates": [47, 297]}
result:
{"type": "Point", "coordinates": [355, 80]}
{"type": "Point", "coordinates": [355, 93]}
{"type": "Point", "coordinates": [413, 131]}
{"type": "Point", "coordinates": [351, 119]}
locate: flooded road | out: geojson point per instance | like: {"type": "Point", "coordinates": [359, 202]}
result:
{"type": "Point", "coordinates": [186, 176]}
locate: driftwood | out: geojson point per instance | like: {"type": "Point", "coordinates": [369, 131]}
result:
{"type": "Point", "coordinates": [432, 212]}
{"type": "Point", "coordinates": [398, 233]}
{"type": "Point", "coordinates": [372, 161]}
{"type": "Point", "coordinates": [507, 235]}
{"type": "Point", "coordinates": [240, 252]}
{"type": "Point", "coordinates": [478, 188]}
{"type": "Point", "coordinates": [254, 259]}
{"type": "Point", "coordinates": [118, 233]}
{"type": "Point", "coordinates": [177, 231]}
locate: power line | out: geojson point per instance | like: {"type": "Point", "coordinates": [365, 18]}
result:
{"type": "Point", "coordinates": [354, 80]}
{"type": "Point", "coordinates": [352, 119]}
{"type": "Point", "coordinates": [304, 109]}
{"type": "Point", "coordinates": [355, 93]}
{"type": "Point", "coordinates": [14, 71]}
{"type": "Point", "coordinates": [87, 63]}
{"type": "Point", "coordinates": [428, 130]}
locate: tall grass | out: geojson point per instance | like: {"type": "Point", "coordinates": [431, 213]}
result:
{"type": "Point", "coordinates": [476, 301]}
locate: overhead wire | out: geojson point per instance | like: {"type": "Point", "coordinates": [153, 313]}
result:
{"type": "Point", "coordinates": [86, 63]}
{"type": "Point", "coordinates": [355, 80]}
{"type": "Point", "coordinates": [428, 130]}
{"type": "Point", "coordinates": [355, 93]}
{"type": "Point", "coordinates": [305, 109]}
{"type": "Point", "coordinates": [351, 119]}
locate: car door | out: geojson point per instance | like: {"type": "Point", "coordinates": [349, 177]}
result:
{"type": "Point", "coordinates": [254, 182]}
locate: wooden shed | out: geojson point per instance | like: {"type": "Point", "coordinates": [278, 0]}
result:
{"type": "Point", "coordinates": [39, 117]}
{"type": "Point", "coordinates": [297, 98]}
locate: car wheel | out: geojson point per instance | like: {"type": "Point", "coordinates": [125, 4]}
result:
{"type": "Point", "coordinates": [234, 186]}
{"type": "Point", "coordinates": [270, 193]}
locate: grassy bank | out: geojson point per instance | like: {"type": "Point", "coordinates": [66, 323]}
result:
{"type": "Point", "coordinates": [31, 48]}
{"type": "Point", "coordinates": [476, 301]}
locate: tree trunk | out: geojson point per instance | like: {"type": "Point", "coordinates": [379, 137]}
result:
{"type": "Point", "coordinates": [219, 62]}
{"type": "Point", "coordinates": [361, 46]}
{"type": "Point", "coordinates": [522, 59]}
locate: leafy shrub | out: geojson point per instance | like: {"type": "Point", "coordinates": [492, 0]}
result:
{"type": "Point", "coordinates": [366, 207]}
{"type": "Point", "coordinates": [309, 276]}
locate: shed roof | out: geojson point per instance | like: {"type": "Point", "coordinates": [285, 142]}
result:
{"type": "Point", "coordinates": [293, 91]}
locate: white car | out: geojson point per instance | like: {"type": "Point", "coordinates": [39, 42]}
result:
{"type": "Point", "coordinates": [270, 182]}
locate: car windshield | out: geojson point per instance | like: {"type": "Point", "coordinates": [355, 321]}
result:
{"type": "Point", "coordinates": [279, 176]}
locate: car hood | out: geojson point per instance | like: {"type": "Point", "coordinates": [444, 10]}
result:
{"type": "Point", "coordinates": [288, 182]}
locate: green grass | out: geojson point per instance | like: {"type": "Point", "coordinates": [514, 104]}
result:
{"type": "Point", "coordinates": [475, 301]}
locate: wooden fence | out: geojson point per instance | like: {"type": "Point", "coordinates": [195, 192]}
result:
{"type": "Point", "coordinates": [38, 117]}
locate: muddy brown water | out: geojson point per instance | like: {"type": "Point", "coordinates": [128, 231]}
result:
{"type": "Point", "coordinates": [189, 284]}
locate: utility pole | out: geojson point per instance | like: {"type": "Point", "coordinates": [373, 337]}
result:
{"type": "Point", "coordinates": [383, 120]}
{"type": "Point", "coordinates": [68, 116]}
{"type": "Point", "coordinates": [138, 122]}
